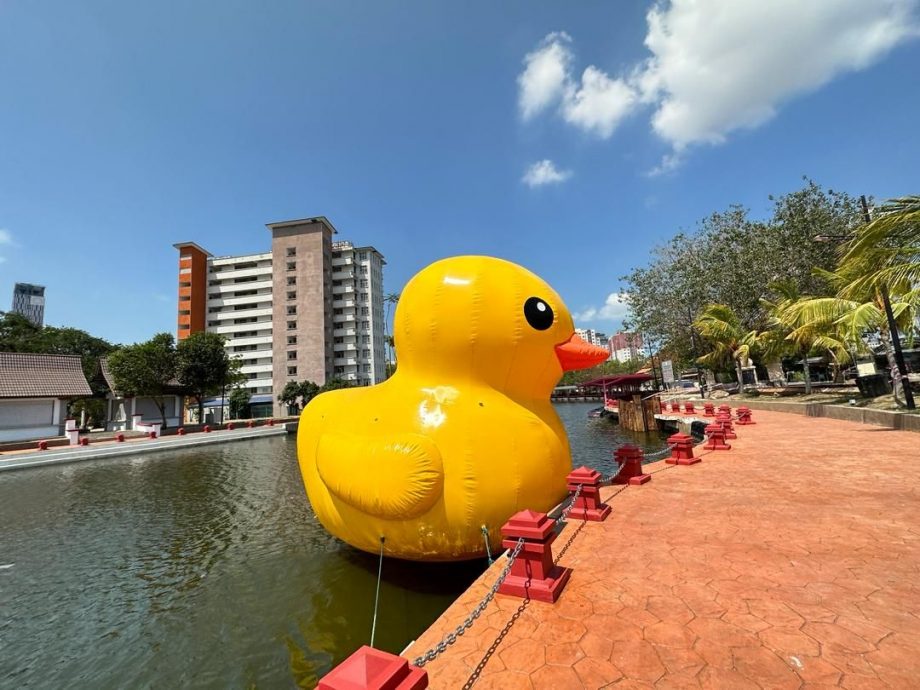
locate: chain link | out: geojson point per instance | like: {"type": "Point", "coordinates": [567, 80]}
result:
{"type": "Point", "coordinates": [451, 637]}
{"type": "Point", "coordinates": [564, 515]}
{"type": "Point", "coordinates": [659, 453]}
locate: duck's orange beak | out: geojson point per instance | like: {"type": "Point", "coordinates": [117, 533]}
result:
{"type": "Point", "coordinates": [575, 353]}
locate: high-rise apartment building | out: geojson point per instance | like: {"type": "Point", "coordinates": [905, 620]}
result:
{"type": "Point", "coordinates": [591, 336]}
{"type": "Point", "coordinates": [309, 309]}
{"type": "Point", "coordinates": [624, 347]}
{"type": "Point", "coordinates": [29, 301]}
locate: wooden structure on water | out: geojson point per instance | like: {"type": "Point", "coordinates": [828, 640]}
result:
{"type": "Point", "coordinates": [635, 408]}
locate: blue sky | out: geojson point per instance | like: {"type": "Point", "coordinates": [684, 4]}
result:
{"type": "Point", "coordinates": [126, 127]}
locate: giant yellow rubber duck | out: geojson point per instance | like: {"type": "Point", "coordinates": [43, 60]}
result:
{"type": "Point", "coordinates": [463, 434]}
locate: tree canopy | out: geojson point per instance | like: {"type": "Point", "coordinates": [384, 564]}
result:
{"type": "Point", "coordinates": [147, 369]}
{"type": "Point", "coordinates": [204, 367]}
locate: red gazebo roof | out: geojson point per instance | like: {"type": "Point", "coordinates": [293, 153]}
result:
{"type": "Point", "coordinates": [620, 380]}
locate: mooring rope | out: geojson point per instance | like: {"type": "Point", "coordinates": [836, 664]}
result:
{"type": "Point", "coordinates": [485, 537]}
{"type": "Point", "coordinates": [377, 595]}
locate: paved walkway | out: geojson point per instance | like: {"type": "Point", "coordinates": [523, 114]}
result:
{"type": "Point", "coordinates": [791, 561]}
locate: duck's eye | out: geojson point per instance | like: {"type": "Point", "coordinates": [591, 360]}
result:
{"type": "Point", "coordinates": [538, 313]}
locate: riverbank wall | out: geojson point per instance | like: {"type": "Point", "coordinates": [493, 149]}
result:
{"type": "Point", "coordinates": [135, 446]}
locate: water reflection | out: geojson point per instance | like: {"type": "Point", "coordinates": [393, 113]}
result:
{"type": "Point", "coordinates": [204, 568]}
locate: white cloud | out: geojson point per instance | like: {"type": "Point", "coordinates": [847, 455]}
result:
{"type": "Point", "coordinates": [545, 75]}
{"type": "Point", "coordinates": [614, 309]}
{"type": "Point", "coordinates": [720, 66]}
{"type": "Point", "coordinates": [599, 104]}
{"type": "Point", "coordinates": [544, 172]}
{"type": "Point", "coordinates": [716, 67]}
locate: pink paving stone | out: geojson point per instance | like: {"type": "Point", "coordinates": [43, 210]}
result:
{"type": "Point", "coordinates": [789, 561]}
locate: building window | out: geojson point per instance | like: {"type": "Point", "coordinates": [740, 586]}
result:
{"type": "Point", "coordinates": [292, 251]}
{"type": "Point", "coordinates": [292, 280]}
{"type": "Point", "coordinates": [292, 340]}
{"type": "Point", "coordinates": [365, 311]}
{"type": "Point", "coordinates": [291, 310]}
{"type": "Point", "coordinates": [213, 323]}
{"type": "Point", "coordinates": [292, 294]}
{"type": "Point", "coordinates": [292, 354]}
{"type": "Point", "coordinates": [292, 325]}
{"type": "Point", "coordinates": [291, 265]}
{"type": "Point", "coordinates": [292, 371]}
{"type": "Point", "coordinates": [365, 353]}
{"type": "Point", "coordinates": [365, 325]}
{"type": "Point", "coordinates": [366, 339]}
{"type": "Point", "coordinates": [363, 256]}
{"type": "Point", "coordinates": [364, 282]}
{"type": "Point", "coordinates": [366, 368]}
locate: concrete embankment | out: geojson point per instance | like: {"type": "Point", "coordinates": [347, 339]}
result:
{"type": "Point", "coordinates": [70, 454]}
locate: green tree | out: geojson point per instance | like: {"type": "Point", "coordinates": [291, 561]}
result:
{"type": "Point", "coordinates": [147, 369]}
{"type": "Point", "coordinates": [289, 395]}
{"type": "Point", "coordinates": [333, 384]}
{"type": "Point", "coordinates": [308, 391]}
{"type": "Point", "coordinates": [391, 299]}
{"type": "Point", "coordinates": [18, 334]}
{"type": "Point", "coordinates": [239, 403]}
{"type": "Point", "coordinates": [204, 368]}
{"type": "Point", "coordinates": [728, 341]}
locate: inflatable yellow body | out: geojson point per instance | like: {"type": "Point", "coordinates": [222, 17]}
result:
{"type": "Point", "coordinates": [463, 434]}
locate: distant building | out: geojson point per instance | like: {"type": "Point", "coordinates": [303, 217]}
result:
{"type": "Point", "coordinates": [308, 309]}
{"type": "Point", "coordinates": [624, 347]}
{"type": "Point", "coordinates": [29, 301]}
{"type": "Point", "coordinates": [591, 336]}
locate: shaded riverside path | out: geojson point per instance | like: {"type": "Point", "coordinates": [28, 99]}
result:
{"type": "Point", "coordinates": [791, 561]}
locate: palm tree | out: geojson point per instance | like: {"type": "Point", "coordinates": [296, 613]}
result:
{"type": "Point", "coordinates": [857, 309]}
{"type": "Point", "coordinates": [789, 332]}
{"type": "Point", "coordinates": [391, 299]}
{"type": "Point", "coordinates": [721, 328]}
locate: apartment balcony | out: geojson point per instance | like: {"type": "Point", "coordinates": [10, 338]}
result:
{"type": "Point", "coordinates": [345, 361]}
{"type": "Point", "coordinates": [252, 340]}
{"type": "Point", "coordinates": [233, 287]}
{"type": "Point", "coordinates": [264, 298]}
{"type": "Point", "coordinates": [343, 303]}
{"type": "Point", "coordinates": [230, 328]}
{"type": "Point", "coordinates": [343, 290]}
{"type": "Point", "coordinates": [342, 261]}
{"type": "Point", "coordinates": [231, 314]}
{"type": "Point", "coordinates": [343, 274]}
{"type": "Point", "coordinates": [265, 271]}
{"type": "Point", "coordinates": [346, 347]}
{"type": "Point", "coordinates": [338, 332]}
{"type": "Point", "coordinates": [257, 369]}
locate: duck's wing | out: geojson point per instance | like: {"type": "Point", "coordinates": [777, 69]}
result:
{"type": "Point", "coordinates": [395, 478]}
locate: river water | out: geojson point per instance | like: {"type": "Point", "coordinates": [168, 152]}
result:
{"type": "Point", "coordinates": [205, 568]}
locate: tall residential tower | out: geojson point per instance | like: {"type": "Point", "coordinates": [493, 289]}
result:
{"type": "Point", "coordinates": [29, 301]}
{"type": "Point", "coordinates": [309, 309]}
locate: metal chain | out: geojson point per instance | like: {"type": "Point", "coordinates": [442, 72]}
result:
{"type": "Point", "coordinates": [564, 515]}
{"type": "Point", "coordinates": [659, 453]}
{"type": "Point", "coordinates": [451, 637]}
{"type": "Point", "coordinates": [485, 537]}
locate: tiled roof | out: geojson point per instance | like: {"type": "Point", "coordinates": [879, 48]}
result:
{"type": "Point", "coordinates": [26, 375]}
{"type": "Point", "coordinates": [173, 387]}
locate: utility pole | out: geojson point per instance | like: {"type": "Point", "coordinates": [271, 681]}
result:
{"type": "Point", "coordinates": [901, 372]}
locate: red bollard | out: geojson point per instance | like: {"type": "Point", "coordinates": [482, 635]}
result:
{"type": "Point", "coordinates": [180, 431]}
{"type": "Point", "coordinates": [152, 434]}
{"type": "Point", "coordinates": [271, 422]}
{"type": "Point", "coordinates": [716, 435]}
{"type": "Point", "coordinates": [250, 424]}
{"type": "Point", "coordinates": [724, 407]}
{"type": "Point", "coordinates": [43, 445]}
{"type": "Point", "coordinates": [84, 441]}
{"type": "Point", "coordinates": [120, 438]}
{"type": "Point", "coordinates": [725, 419]}
{"type": "Point", "coordinates": [373, 669]}
{"type": "Point", "coordinates": [533, 574]}
{"type": "Point", "coordinates": [206, 429]}
{"type": "Point", "coordinates": [675, 406]}
{"type": "Point", "coordinates": [230, 426]}
{"type": "Point", "coordinates": [688, 408]}
{"type": "Point", "coordinates": [744, 416]}
{"type": "Point", "coordinates": [588, 505]}
{"type": "Point", "coordinates": [709, 409]}
{"type": "Point", "coordinates": [630, 457]}
{"type": "Point", "coordinates": [681, 450]}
